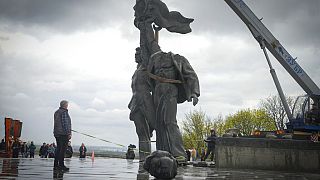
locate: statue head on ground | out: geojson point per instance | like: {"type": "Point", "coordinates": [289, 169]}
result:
{"type": "Point", "coordinates": [161, 164]}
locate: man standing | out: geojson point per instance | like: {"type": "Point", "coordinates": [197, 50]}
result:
{"type": "Point", "coordinates": [15, 148]}
{"type": "Point", "coordinates": [32, 148]}
{"type": "Point", "coordinates": [82, 151]}
{"type": "Point", "coordinates": [62, 133]}
{"type": "Point", "coordinates": [211, 140]}
{"type": "Point", "coordinates": [43, 150]}
{"type": "Point", "coordinates": [2, 145]}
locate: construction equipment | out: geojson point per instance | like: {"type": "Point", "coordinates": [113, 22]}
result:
{"type": "Point", "coordinates": [305, 115]}
{"type": "Point", "coordinates": [12, 133]}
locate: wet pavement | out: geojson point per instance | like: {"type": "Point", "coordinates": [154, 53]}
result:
{"type": "Point", "coordinates": [113, 168]}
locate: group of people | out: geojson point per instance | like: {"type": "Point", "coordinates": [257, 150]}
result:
{"type": "Point", "coordinates": [25, 150]}
{"type": "Point", "coordinates": [22, 148]}
{"type": "Point", "coordinates": [49, 150]}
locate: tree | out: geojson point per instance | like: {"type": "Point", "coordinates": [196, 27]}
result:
{"type": "Point", "coordinates": [262, 121]}
{"type": "Point", "coordinates": [195, 128]}
{"type": "Point", "coordinates": [249, 120]}
{"type": "Point", "coordinates": [219, 125]}
{"type": "Point", "coordinates": [273, 106]}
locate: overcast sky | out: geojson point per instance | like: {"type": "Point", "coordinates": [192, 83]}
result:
{"type": "Point", "coordinates": [83, 51]}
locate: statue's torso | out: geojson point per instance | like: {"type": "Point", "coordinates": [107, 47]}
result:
{"type": "Point", "coordinates": [140, 82]}
{"type": "Point", "coordinates": [163, 66]}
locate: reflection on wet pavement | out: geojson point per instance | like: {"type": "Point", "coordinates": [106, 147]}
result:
{"type": "Point", "coordinates": [113, 168]}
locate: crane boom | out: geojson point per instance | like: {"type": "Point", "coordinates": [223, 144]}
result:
{"type": "Point", "coordinates": [263, 35]}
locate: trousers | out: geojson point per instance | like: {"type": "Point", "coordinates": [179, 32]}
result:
{"type": "Point", "coordinates": [62, 142]}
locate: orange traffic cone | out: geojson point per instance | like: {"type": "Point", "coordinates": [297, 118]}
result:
{"type": "Point", "coordinates": [92, 156]}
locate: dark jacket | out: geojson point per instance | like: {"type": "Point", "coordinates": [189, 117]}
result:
{"type": "Point", "coordinates": [82, 151]}
{"type": "Point", "coordinates": [43, 150]}
{"type": "Point", "coordinates": [62, 123]}
{"type": "Point", "coordinates": [15, 149]}
{"type": "Point", "coordinates": [211, 140]}
{"type": "Point", "coordinates": [2, 145]}
{"type": "Point", "coordinates": [32, 148]}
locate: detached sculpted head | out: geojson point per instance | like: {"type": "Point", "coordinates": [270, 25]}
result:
{"type": "Point", "coordinates": [161, 164]}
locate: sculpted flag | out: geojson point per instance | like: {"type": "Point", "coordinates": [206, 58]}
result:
{"type": "Point", "coordinates": [173, 21]}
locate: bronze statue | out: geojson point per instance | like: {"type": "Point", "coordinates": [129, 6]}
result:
{"type": "Point", "coordinates": [172, 78]}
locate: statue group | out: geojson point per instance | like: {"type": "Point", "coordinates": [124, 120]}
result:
{"type": "Point", "coordinates": [161, 81]}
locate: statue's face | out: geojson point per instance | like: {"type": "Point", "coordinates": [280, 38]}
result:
{"type": "Point", "coordinates": [138, 56]}
{"type": "Point", "coordinates": [139, 8]}
{"type": "Point", "coordinates": [163, 166]}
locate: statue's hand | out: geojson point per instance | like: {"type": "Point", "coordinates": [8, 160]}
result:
{"type": "Point", "coordinates": [194, 99]}
{"type": "Point", "coordinates": [156, 28]}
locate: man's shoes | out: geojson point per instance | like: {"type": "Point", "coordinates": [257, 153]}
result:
{"type": "Point", "coordinates": [64, 168]}
{"type": "Point", "coordinates": [55, 167]}
{"type": "Point", "coordinates": [61, 168]}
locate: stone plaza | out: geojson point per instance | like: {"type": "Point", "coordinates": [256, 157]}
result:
{"type": "Point", "coordinates": [116, 168]}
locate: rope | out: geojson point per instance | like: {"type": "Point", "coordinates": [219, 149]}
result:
{"type": "Point", "coordinates": [98, 138]}
{"type": "Point", "coordinates": [109, 141]}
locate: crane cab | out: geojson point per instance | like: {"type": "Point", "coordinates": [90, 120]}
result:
{"type": "Point", "coordinates": [306, 115]}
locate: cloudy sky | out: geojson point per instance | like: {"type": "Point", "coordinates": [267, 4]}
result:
{"type": "Point", "coordinates": [83, 51]}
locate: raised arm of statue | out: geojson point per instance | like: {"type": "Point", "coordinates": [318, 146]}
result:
{"type": "Point", "coordinates": [145, 53]}
{"type": "Point", "coordinates": [147, 37]}
{"type": "Point", "coordinates": [152, 43]}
